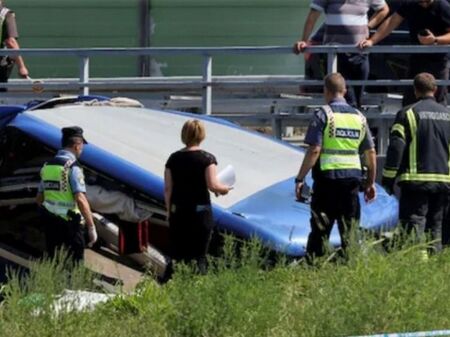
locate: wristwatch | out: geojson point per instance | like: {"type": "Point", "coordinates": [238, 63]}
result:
{"type": "Point", "coordinates": [299, 180]}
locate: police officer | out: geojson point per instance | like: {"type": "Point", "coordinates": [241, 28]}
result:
{"type": "Point", "coordinates": [8, 39]}
{"type": "Point", "coordinates": [337, 135]}
{"type": "Point", "coordinates": [63, 200]}
{"type": "Point", "coordinates": [418, 156]}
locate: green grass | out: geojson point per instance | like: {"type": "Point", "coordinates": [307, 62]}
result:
{"type": "Point", "coordinates": [372, 292]}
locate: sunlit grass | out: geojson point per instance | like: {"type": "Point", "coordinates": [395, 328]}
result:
{"type": "Point", "coordinates": [370, 292]}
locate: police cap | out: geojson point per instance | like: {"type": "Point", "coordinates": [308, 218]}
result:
{"type": "Point", "coordinates": [73, 131]}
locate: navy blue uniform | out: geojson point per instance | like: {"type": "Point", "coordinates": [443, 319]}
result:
{"type": "Point", "coordinates": [418, 156]}
{"type": "Point", "coordinates": [335, 192]}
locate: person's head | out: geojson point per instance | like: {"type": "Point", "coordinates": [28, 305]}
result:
{"type": "Point", "coordinates": [334, 86]}
{"type": "Point", "coordinates": [193, 132]}
{"type": "Point", "coordinates": [424, 3]}
{"type": "Point", "coordinates": [73, 140]}
{"type": "Point", "coordinates": [424, 85]}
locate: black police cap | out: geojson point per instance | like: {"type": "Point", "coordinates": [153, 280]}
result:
{"type": "Point", "coordinates": [73, 131]}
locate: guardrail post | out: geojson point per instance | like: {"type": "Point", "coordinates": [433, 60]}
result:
{"type": "Point", "coordinates": [84, 74]}
{"type": "Point", "coordinates": [276, 123]}
{"type": "Point", "coordinates": [331, 62]}
{"type": "Point", "coordinates": [207, 89]}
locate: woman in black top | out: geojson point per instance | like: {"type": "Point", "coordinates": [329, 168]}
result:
{"type": "Point", "coordinates": [189, 174]}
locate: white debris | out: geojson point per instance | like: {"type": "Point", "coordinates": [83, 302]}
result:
{"type": "Point", "coordinates": [79, 300]}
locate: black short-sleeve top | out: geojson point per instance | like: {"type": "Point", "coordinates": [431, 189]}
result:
{"type": "Point", "coordinates": [436, 18]}
{"type": "Point", "coordinates": [189, 179]}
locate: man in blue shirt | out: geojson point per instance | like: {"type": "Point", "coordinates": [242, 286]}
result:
{"type": "Point", "coordinates": [337, 135]}
{"type": "Point", "coordinates": [62, 197]}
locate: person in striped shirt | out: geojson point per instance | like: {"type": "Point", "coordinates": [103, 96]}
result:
{"type": "Point", "coordinates": [346, 22]}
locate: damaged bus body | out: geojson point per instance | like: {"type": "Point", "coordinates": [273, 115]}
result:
{"type": "Point", "coordinates": [124, 167]}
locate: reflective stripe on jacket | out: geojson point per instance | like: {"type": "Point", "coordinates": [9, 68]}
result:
{"type": "Point", "coordinates": [342, 137]}
{"type": "Point", "coordinates": [419, 144]}
{"type": "Point", "coordinates": [58, 195]}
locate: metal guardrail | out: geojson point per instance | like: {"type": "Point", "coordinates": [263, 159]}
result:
{"type": "Point", "coordinates": [207, 82]}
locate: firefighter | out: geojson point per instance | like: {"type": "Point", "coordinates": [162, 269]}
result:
{"type": "Point", "coordinates": [62, 197]}
{"type": "Point", "coordinates": [337, 135]}
{"type": "Point", "coordinates": [418, 158]}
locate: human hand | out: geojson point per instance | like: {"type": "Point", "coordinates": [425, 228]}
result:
{"type": "Point", "coordinates": [366, 43]}
{"type": "Point", "coordinates": [23, 72]}
{"type": "Point", "coordinates": [299, 47]}
{"type": "Point", "coordinates": [298, 191]}
{"type": "Point", "coordinates": [223, 191]}
{"type": "Point", "coordinates": [427, 39]}
{"type": "Point", "coordinates": [92, 233]}
{"type": "Point", "coordinates": [226, 190]}
{"type": "Point", "coordinates": [370, 193]}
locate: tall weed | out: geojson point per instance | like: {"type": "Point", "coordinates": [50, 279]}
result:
{"type": "Point", "coordinates": [246, 293]}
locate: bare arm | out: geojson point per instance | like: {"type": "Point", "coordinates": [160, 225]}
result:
{"type": "Point", "coordinates": [433, 39]}
{"type": "Point", "coordinates": [310, 22]}
{"type": "Point", "coordinates": [11, 43]}
{"type": "Point", "coordinates": [311, 157]}
{"type": "Point", "coordinates": [85, 209]}
{"type": "Point", "coordinates": [168, 186]}
{"type": "Point", "coordinates": [378, 17]}
{"type": "Point", "coordinates": [213, 184]}
{"type": "Point", "coordinates": [371, 161]}
{"type": "Point", "coordinates": [385, 29]}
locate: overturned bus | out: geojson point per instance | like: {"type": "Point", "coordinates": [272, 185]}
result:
{"type": "Point", "coordinates": [124, 168]}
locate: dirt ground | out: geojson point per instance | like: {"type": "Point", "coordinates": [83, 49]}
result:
{"type": "Point", "coordinates": [113, 269]}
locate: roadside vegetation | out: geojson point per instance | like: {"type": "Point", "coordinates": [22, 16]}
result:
{"type": "Point", "coordinates": [371, 292]}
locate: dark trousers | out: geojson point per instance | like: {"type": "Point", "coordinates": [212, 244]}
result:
{"type": "Point", "coordinates": [190, 234]}
{"type": "Point", "coordinates": [332, 200]}
{"type": "Point", "coordinates": [5, 72]}
{"type": "Point", "coordinates": [354, 67]}
{"type": "Point", "coordinates": [60, 233]}
{"type": "Point", "coordinates": [446, 224]}
{"type": "Point", "coordinates": [438, 69]}
{"type": "Point", "coordinates": [422, 213]}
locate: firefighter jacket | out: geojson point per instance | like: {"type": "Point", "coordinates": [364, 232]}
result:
{"type": "Point", "coordinates": [418, 151]}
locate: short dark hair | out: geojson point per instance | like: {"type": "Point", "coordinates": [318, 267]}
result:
{"type": "Point", "coordinates": [335, 83]}
{"type": "Point", "coordinates": [424, 83]}
{"type": "Point", "coordinates": [71, 141]}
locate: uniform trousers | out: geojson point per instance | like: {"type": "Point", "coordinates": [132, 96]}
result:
{"type": "Point", "coordinates": [332, 200]}
{"type": "Point", "coordinates": [69, 235]}
{"type": "Point", "coordinates": [5, 71]}
{"type": "Point", "coordinates": [422, 212]}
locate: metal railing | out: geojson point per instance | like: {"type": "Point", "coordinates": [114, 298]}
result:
{"type": "Point", "coordinates": [207, 82]}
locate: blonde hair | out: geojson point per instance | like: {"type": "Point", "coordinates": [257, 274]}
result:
{"type": "Point", "coordinates": [193, 132]}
